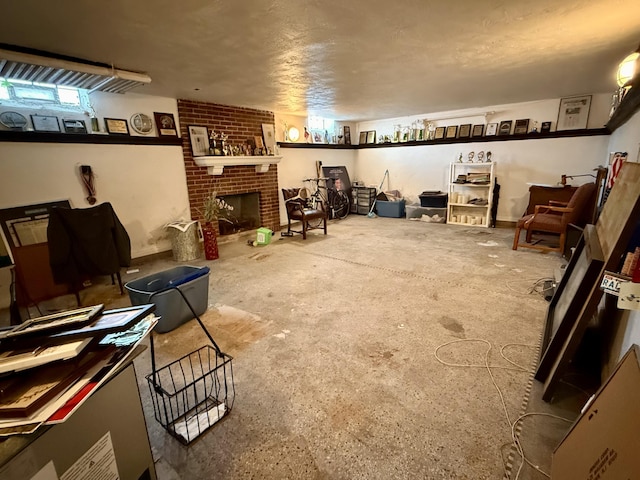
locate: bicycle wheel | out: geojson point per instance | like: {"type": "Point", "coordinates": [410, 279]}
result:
{"type": "Point", "coordinates": [339, 204]}
{"type": "Point", "coordinates": [315, 202]}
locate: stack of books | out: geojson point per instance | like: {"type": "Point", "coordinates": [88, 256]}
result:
{"type": "Point", "coordinates": [50, 365]}
{"type": "Point", "coordinates": [478, 178]}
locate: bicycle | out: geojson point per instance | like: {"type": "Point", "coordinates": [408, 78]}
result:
{"type": "Point", "coordinates": [333, 201]}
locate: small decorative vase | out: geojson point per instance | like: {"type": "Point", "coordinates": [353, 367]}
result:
{"type": "Point", "coordinates": [210, 241]}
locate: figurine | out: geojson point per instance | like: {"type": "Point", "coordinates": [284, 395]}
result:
{"type": "Point", "coordinates": [471, 154]}
{"type": "Point", "coordinates": [480, 156]}
{"type": "Point", "coordinates": [306, 135]}
{"type": "Point", "coordinates": [460, 158]}
{"type": "Point", "coordinates": [488, 157]}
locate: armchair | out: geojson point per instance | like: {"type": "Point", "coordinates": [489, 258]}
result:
{"type": "Point", "coordinates": [555, 218]}
{"type": "Point", "coordinates": [298, 211]}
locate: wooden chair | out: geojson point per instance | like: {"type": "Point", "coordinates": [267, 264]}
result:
{"type": "Point", "coordinates": [556, 217]}
{"type": "Point", "coordinates": [299, 212]}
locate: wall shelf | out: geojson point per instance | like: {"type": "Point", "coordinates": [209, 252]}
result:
{"type": "Point", "coordinates": [628, 107]}
{"type": "Point", "coordinates": [317, 145]}
{"type": "Point", "coordinates": [215, 164]}
{"type": "Point", "coordinates": [587, 132]}
{"type": "Point", "coordinates": [87, 138]}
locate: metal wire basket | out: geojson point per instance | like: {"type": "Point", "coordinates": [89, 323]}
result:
{"type": "Point", "coordinates": [191, 394]}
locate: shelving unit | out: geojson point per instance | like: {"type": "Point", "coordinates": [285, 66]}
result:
{"type": "Point", "coordinates": [459, 210]}
{"type": "Point", "coordinates": [362, 199]}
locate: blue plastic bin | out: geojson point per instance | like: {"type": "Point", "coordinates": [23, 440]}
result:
{"type": "Point", "coordinates": [170, 306]}
{"type": "Point", "coordinates": [390, 209]}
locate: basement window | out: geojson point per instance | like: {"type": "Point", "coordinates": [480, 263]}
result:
{"type": "Point", "coordinates": [21, 93]}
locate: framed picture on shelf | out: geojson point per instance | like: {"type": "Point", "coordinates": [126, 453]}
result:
{"type": "Point", "coordinates": [116, 126]}
{"type": "Point", "coordinates": [371, 136]}
{"type": "Point", "coordinates": [451, 132]}
{"type": "Point", "coordinates": [545, 127]}
{"type": "Point", "coordinates": [74, 126]}
{"type": "Point", "coordinates": [269, 136]}
{"type": "Point", "coordinates": [347, 135]}
{"type": "Point", "coordinates": [45, 123]}
{"type": "Point", "coordinates": [522, 127]}
{"type": "Point", "coordinates": [492, 129]}
{"type": "Point", "coordinates": [505, 127]}
{"type": "Point", "coordinates": [363, 138]}
{"type": "Point", "coordinates": [166, 124]}
{"type": "Point", "coordinates": [574, 113]}
{"type": "Point", "coordinates": [477, 130]}
{"type": "Point", "coordinates": [439, 133]}
{"type": "Point", "coordinates": [199, 138]}
{"type": "Point", "coordinates": [464, 131]}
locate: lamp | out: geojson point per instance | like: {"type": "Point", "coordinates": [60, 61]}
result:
{"type": "Point", "coordinates": [627, 69]}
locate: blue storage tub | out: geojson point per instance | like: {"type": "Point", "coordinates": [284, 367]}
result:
{"type": "Point", "coordinates": [390, 209]}
{"type": "Point", "coordinates": [193, 282]}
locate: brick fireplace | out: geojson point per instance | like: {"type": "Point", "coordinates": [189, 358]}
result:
{"type": "Point", "coordinates": [239, 124]}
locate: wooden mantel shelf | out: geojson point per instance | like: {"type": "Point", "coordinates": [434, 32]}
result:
{"type": "Point", "coordinates": [215, 164]}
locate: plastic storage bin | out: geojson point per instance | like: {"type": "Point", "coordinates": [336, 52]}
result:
{"type": "Point", "coordinates": [170, 306]}
{"type": "Point", "coordinates": [433, 199]}
{"type": "Point", "coordinates": [436, 215]}
{"type": "Point", "coordinates": [390, 209]}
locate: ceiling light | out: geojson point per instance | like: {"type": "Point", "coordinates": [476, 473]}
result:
{"type": "Point", "coordinates": [627, 69]}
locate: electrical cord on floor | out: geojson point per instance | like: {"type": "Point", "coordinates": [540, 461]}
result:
{"type": "Point", "coordinates": [533, 288]}
{"type": "Point", "coordinates": [515, 367]}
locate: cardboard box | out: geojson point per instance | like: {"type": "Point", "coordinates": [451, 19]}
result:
{"type": "Point", "coordinates": [604, 442]}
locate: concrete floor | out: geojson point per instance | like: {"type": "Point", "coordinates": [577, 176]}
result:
{"type": "Point", "coordinates": [333, 340]}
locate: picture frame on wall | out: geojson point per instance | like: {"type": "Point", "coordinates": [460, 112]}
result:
{"type": "Point", "coordinates": [477, 130]}
{"type": "Point", "coordinates": [521, 127]}
{"type": "Point", "coordinates": [452, 131]}
{"type": "Point", "coordinates": [199, 139]}
{"type": "Point", "coordinates": [573, 113]}
{"type": "Point", "coordinates": [505, 127]}
{"type": "Point", "coordinates": [492, 129]}
{"type": "Point", "coordinates": [439, 133]}
{"type": "Point", "coordinates": [45, 123]}
{"type": "Point", "coordinates": [347, 135]}
{"type": "Point", "coordinates": [116, 126]}
{"type": "Point", "coordinates": [464, 131]}
{"type": "Point", "coordinates": [363, 138]}
{"type": "Point", "coordinates": [371, 136]}
{"type": "Point", "coordinates": [74, 126]}
{"type": "Point", "coordinates": [166, 124]}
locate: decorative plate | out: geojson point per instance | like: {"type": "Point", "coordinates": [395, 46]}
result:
{"type": "Point", "coordinates": [13, 120]}
{"type": "Point", "coordinates": [141, 123]}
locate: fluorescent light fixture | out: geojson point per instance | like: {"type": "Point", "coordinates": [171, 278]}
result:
{"type": "Point", "coordinates": [30, 67]}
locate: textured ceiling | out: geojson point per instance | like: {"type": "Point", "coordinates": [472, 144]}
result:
{"type": "Point", "coordinates": [346, 59]}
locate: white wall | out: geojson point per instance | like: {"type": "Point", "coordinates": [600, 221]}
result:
{"type": "Point", "coordinates": [518, 162]}
{"type": "Point", "coordinates": [145, 184]}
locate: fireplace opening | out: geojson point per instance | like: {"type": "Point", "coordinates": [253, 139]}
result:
{"type": "Point", "coordinates": [239, 213]}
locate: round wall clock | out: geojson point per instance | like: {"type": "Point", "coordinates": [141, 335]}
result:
{"type": "Point", "coordinates": [13, 120]}
{"type": "Point", "coordinates": [141, 123]}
